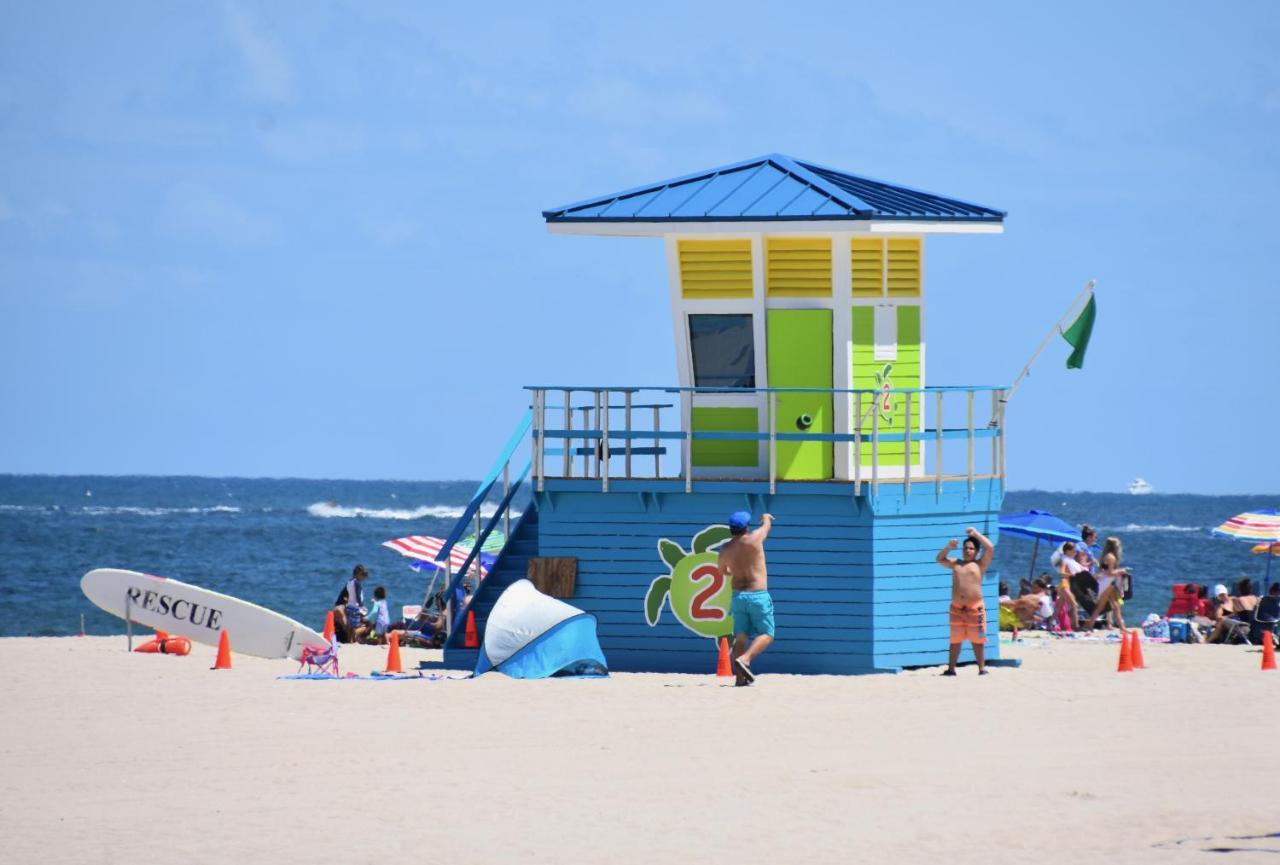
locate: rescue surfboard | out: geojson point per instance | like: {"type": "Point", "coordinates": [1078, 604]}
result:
{"type": "Point", "coordinates": [198, 614]}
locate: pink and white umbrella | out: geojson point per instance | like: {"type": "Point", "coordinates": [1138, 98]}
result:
{"type": "Point", "coordinates": [425, 548]}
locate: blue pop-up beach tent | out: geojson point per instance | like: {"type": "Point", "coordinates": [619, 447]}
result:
{"type": "Point", "coordinates": [529, 635]}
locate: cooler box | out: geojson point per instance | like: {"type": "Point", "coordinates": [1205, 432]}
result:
{"type": "Point", "coordinates": [1179, 631]}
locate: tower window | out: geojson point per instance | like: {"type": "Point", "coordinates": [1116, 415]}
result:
{"type": "Point", "coordinates": [723, 350]}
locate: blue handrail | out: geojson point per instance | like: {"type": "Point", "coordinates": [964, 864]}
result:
{"type": "Point", "coordinates": [485, 487]}
{"type": "Point", "coordinates": [484, 535]}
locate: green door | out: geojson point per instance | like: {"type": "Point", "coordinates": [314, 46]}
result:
{"type": "Point", "coordinates": [799, 355]}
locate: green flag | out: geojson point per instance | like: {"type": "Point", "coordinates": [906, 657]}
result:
{"type": "Point", "coordinates": [1079, 332]}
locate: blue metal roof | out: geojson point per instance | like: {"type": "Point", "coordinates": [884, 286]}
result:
{"type": "Point", "coordinates": [773, 187]}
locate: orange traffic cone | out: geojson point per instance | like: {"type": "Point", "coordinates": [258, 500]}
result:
{"type": "Point", "coordinates": [328, 627]}
{"type": "Point", "coordinates": [224, 653]}
{"type": "Point", "coordinates": [1268, 651]}
{"type": "Point", "coordinates": [1136, 651]}
{"type": "Point", "coordinates": [472, 639]}
{"type": "Point", "coordinates": [722, 665]}
{"type": "Point", "coordinates": [393, 653]}
{"type": "Point", "coordinates": [1126, 656]}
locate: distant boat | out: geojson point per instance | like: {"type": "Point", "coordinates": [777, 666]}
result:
{"type": "Point", "coordinates": [1139, 487]}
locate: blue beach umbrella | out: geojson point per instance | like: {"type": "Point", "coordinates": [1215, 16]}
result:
{"type": "Point", "coordinates": [1038, 526]}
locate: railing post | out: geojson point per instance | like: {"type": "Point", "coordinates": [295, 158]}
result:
{"type": "Point", "coordinates": [1000, 434]}
{"type": "Point", "coordinates": [857, 443]}
{"type": "Point", "coordinates": [586, 442]}
{"type": "Point", "coordinates": [906, 448]}
{"type": "Point", "coordinates": [568, 427]}
{"type": "Point", "coordinates": [995, 440]}
{"type": "Point", "coordinates": [506, 512]}
{"type": "Point", "coordinates": [657, 456]}
{"type": "Point", "coordinates": [970, 441]}
{"type": "Point", "coordinates": [875, 446]}
{"type": "Point", "coordinates": [937, 442]}
{"type": "Point", "coordinates": [595, 457]}
{"type": "Point", "coordinates": [604, 444]}
{"type": "Point", "coordinates": [773, 442]}
{"type": "Point", "coordinates": [448, 601]}
{"type": "Point", "coordinates": [626, 423]}
{"type": "Point", "coordinates": [686, 414]}
{"type": "Point", "coordinates": [540, 440]}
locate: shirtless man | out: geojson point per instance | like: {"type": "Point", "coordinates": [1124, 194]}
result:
{"type": "Point", "coordinates": [968, 614]}
{"type": "Point", "coordinates": [742, 561]}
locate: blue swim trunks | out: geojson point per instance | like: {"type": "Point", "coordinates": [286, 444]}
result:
{"type": "Point", "coordinates": [752, 613]}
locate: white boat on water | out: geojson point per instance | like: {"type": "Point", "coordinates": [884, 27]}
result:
{"type": "Point", "coordinates": [1139, 487]}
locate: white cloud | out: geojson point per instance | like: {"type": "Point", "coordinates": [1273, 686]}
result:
{"type": "Point", "coordinates": [270, 73]}
{"type": "Point", "coordinates": [211, 215]}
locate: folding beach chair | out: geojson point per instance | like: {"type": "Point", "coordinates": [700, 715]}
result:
{"type": "Point", "coordinates": [320, 659]}
{"type": "Point", "coordinates": [1266, 617]}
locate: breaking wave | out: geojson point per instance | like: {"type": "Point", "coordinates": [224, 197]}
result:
{"type": "Point", "coordinates": [1139, 527]}
{"type": "Point", "coordinates": [332, 510]}
{"type": "Point", "coordinates": [157, 512]}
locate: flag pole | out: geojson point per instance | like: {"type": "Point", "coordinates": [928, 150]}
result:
{"type": "Point", "coordinates": [1054, 331]}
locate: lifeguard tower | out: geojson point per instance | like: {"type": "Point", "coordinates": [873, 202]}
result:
{"type": "Point", "coordinates": [797, 300]}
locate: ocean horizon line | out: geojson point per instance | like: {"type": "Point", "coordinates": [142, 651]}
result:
{"type": "Point", "coordinates": [148, 475]}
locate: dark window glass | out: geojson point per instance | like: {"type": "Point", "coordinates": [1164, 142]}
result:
{"type": "Point", "coordinates": [723, 351]}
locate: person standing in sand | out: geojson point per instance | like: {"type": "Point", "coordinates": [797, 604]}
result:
{"type": "Point", "coordinates": [968, 614]}
{"type": "Point", "coordinates": [741, 560]}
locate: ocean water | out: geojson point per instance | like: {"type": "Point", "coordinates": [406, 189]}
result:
{"type": "Point", "coordinates": [289, 544]}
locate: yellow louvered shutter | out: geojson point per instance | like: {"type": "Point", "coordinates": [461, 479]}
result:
{"type": "Point", "coordinates": [715, 269]}
{"type": "Point", "coordinates": [798, 266]}
{"type": "Point", "coordinates": [903, 267]}
{"type": "Point", "coordinates": [866, 258]}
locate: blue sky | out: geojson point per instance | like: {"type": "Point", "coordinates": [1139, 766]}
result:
{"type": "Point", "coordinates": [300, 239]}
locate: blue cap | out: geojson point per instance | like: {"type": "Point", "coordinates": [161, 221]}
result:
{"type": "Point", "coordinates": [739, 520]}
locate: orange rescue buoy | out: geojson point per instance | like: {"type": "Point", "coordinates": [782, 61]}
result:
{"type": "Point", "coordinates": [166, 646]}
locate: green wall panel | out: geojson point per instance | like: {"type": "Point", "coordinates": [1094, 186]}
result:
{"type": "Point", "coordinates": [903, 372]}
{"type": "Point", "coordinates": [725, 453]}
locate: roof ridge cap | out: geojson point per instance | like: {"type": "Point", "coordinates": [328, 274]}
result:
{"type": "Point", "coordinates": [801, 171]}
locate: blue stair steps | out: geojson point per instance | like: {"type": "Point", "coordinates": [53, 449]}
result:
{"type": "Point", "coordinates": [512, 564]}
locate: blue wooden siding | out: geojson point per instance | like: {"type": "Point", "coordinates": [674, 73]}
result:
{"type": "Point", "coordinates": [854, 581]}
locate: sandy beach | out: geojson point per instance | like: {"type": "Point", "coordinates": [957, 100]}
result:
{"type": "Point", "coordinates": [111, 757]}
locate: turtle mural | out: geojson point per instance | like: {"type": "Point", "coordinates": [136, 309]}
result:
{"type": "Point", "coordinates": [699, 594]}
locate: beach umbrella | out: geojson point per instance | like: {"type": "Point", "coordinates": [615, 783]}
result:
{"type": "Point", "coordinates": [1038, 526]}
{"type": "Point", "coordinates": [1252, 527]}
{"type": "Point", "coordinates": [423, 549]}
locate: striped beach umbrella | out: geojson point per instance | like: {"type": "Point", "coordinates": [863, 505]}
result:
{"type": "Point", "coordinates": [425, 548]}
{"type": "Point", "coordinates": [1252, 527]}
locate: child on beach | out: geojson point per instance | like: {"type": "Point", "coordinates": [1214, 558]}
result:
{"type": "Point", "coordinates": [379, 619]}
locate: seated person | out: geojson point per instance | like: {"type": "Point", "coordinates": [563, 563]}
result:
{"type": "Point", "coordinates": [1027, 607]}
{"type": "Point", "coordinates": [1266, 616]}
{"type": "Point", "coordinates": [426, 629]}
{"type": "Point", "coordinates": [1237, 612]}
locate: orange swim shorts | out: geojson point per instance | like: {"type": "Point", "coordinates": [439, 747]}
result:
{"type": "Point", "coordinates": [969, 623]}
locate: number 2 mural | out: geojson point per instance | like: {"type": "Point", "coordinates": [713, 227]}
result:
{"type": "Point", "coordinates": [699, 594]}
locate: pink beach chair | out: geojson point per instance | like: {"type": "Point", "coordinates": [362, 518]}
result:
{"type": "Point", "coordinates": [320, 659]}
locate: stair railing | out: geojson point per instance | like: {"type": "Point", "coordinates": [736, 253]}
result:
{"type": "Point", "coordinates": [501, 471]}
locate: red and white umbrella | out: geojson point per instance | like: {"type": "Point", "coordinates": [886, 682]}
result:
{"type": "Point", "coordinates": [425, 548]}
